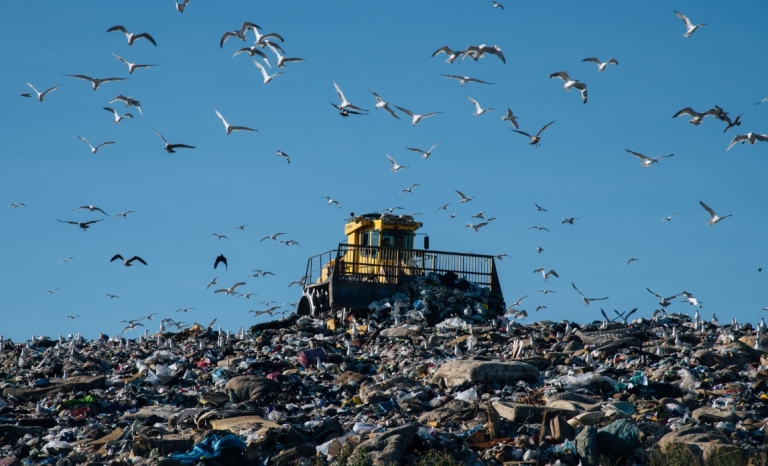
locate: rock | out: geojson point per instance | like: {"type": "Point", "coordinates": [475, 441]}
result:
{"type": "Point", "coordinates": [621, 438]}
{"type": "Point", "coordinates": [457, 372]}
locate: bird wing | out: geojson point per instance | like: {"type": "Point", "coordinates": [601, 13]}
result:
{"type": "Point", "coordinates": [761, 137]}
{"type": "Point", "coordinates": [708, 209]}
{"type": "Point", "coordinates": [496, 50]}
{"type": "Point", "coordinates": [427, 115]}
{"type": "Point", "coordinates": [118, 28]}
{"type": "Point", "coordinates": [90, 222]}
{"type": "Point", "coordinates": [87, 142]}
{"type": "Point", "coordinates": [116, 256]}
{"type": "Point", "coordinates": [106, 80]}
{"type": "Point", "coordinates": [38, 92]}
{"type": "Point", "coordinates": [614, 61]}
{"type": "Point", "coordinates": [581, 86]}
{"type": "Point", "coordinates": [434, 145]}
{"type": "Point", "coordinates": [460, 194]}
{"type": "Point", "coordinates": [221, 118]}
{"type": "Point", "coordinates": [444, 49]}
{"type": "Point", "coordinates": [111, 110]}
{"type": "Point", "coordinates": [404, 110]}
{"type": "Point", "coordinates": [67, 221]}
{"type": "Point", "coordinates": [161, 136]}
{"type": "Point", "coordinates": [737, 138]}
{"type": "Point", "coordinates": [552, 272]}
{"type": "Point", "coordinates": [479, 225]}
{"type": "Point", "coordinates": [81, 76]}
{"type": "Point", "coordinates": [658, 296]}
{"type": "Point", "coordinates": [663, 157]}
{"type": "Point", "coordinates": [236, 285]}
{"type": "Point", "coordinates": [48, 90]}
{"type": "Point", "coordinates": [684, 19]}
{"type": "Point", "coordinates": [686, 111]}
{"type": "Point", "coordinates": [339, 93]}
{"type": "Point", "coordinates": [638, 155]}
{"type": "Point", "coordinates": [593, 59]}
{"type": "Point", "coordinates": [146, 36]}
{"type": "Point", "coordinates": [242, 128]}
{"type": "Point", "coordinates": [521, 132]}
{"type": "Point", "coordinates": [597, 299]}
{"type": "Point", "coordinates": [391, 112]}
{"type": "Point", "coordinates": [630, 313]}
{"type": "Point", "coordinates": [477, 106]}
{"type": "Point", "coordinates": [574, 287]}
{"type": "Point", "coordinates": [183, 146]}
{"type": "Point", "coordinates": [136, 258]}
{"type": "Point", "coordinates": [121, 59]}
{"type": "Point", "coordinates": [560, 74]}
{"type": "Point", "coordinates": [544, 127]}
{"type": "Point", "coordinates": [263, 71]}
{"type": "Point", "coordinates": [378, 98]}
{"type": "Point", "coordinates": [480, 81]}
{"type": "Point", "coordinates": [391, 160]}
{"type": "Point", "coordinates": [99, 147]}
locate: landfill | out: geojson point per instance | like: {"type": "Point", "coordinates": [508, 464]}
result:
{"type": "Point", "coordinates": [437, 374]}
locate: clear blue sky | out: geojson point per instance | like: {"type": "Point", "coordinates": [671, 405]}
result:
{"type": "Point", "coordinates": [580, 170]}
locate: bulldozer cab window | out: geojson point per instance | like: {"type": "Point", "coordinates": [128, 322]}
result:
{"type": "Point", "coordinates": [398, 239]}
{"type": "Point", "coordinates": [369, 238]}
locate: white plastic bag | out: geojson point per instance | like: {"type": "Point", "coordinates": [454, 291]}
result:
{"type": "Point", "coordinates": [469, 395]}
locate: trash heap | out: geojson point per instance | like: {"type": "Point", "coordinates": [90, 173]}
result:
{"type": "Point", "coordinates": [345, 389]}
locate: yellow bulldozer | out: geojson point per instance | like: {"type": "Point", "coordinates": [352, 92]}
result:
{"type": "Point", "coordinates": [379, 260]}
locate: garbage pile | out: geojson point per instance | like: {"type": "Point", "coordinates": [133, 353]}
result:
{"type": "Point", "coordinates": [347, 389]}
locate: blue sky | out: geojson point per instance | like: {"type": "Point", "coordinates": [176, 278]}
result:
{"type": "Point", "coordinates": [580, 170]}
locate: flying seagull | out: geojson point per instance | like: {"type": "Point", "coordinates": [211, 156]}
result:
{"type": "Point", "coordinates": [251, 51]}
{"type": "Point", "coordinates": [381, 103]}
{"type": "Point", "coordinates": [180, 6]}
{"type": "Point", "coordinates": [345, 112]}
{"type": "Point", "coordinates": [690, 28]}
{"type": "Point", "coordinates": [272, 237]}
{"type": "Point", "coordinates": [395, 166]}
{"type": "Point", "coordinates": [415, 116]}
{"type": "Point", "coordinates": [408, 190]}
{"type": "Point", "coordinates": [284, 155]}
{"type": "Point", "coordinates": [535, 140]}
{"type": "Point", "coordinates": [464, 79]}
{"type": "Point", "coordinates": [602, 65]}
{"type": "Point", "coordinates": [479, 110]}
{"type": "Point", "coordinates": [331, 201]}
{"type": "Point", "coordinates": [497, 5]}
{"type": "Point", "coordinates": [241, 227]}
{"type": "Point", "coordinates": [476, 52]}
{"type": "Point", "coordinates": [731, 124]}
{"type": "Point", "coordinates": [647, 161]}
{"type": "Point", "coordinates": [540, 208]}
{"type": "Point", "coordinates": [229, 128]}
{"type": "Point", "coordinates": [90, 208]}
{"type": "Point", "coordinates": [221, 259]}
{"type": "Point", "coordinates": [112, 296]}
{"type": "Point", "coordinates": [569, 83]}
{"type": "Point", "coordinates": [545, 274]}
{"type": "Point", "coordinates": [118, 117]}
{"type": "Point", "coordinates": [128, 102]}
{"type": "Point", "coordinates": [344, 102]}
{"type": "Point", "coordinates": [95, 149]}
{"type": "Point", "coordinates": [633, 259]}
{"type": "Point", "coordinates": [261, 39]}
{"type": "Point", "coordinates": [229, 291]}
{"type": "Point", "coordinates": [213, 282]}
{"type": "Point", "coordinates": [70, 317]}
{"type": "Point", "coordinates": [127, 262]}
{"type": "Point", "coordinates": [124, 214]}
{"type": "Point", "coordinates": [267, 77]}
{"type": "Point", "coordinates": [218, 236]}
{"type": "Point", "coordinates": [668, 219]}
{"type": "Point", "coordinates": [452, 54]}
{"type": "Point", "coordinates": [83, 225]}
{"type": "Point", "coordinates": [587, 300]}
{"type": "Point", "coordinates": [132, 37]}
{"type": "Point", "coordinates": [131, 66]}
{"type": "Point", "coordinates": [41, 95]}
{"type": "Point", "coordinates": [170, 147]}
{"type": "Point", "coordinates": [510, 117]}
{"type": "Point", "coordinates": [239, 33]}
{"type": "Point", "coordinates": [569, 220]}
{"type": "Point", "coordinates": [664, 302]}
{"type": "Point", "coordinates": [17, 204]}
{"type": "Point", "coordinates": [476, 227]}
{"type": "Point", "coordinates": [538, 228]}
{"type": "Point", "coordinates": [715, 218]}
{"type": "Point", "coordinates": [281, 60]}
{"type": "Point", "coordinates": [749, 137]}
{"type": "Point", "coordinates": [463, 197]}
{"type": "Point", "coordinates": [424, 154]}
{"type": "Point", "coordinates": [95, 82]}
{"type": "Point", "coordinates": [697, 118]}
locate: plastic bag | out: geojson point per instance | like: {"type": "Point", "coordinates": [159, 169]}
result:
{"type": "Point", "coordinates": [688, 384]}
{"type": "Point", "coordinates": [163, 371]}
{"type": "Point", "coordinates": [469, 395]}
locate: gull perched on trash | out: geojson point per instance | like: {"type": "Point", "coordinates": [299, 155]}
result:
{"type": "Point", "coordinates": [479, 110]}
{"type": "Point", "coordinates": [131, 66]}
{"type": "Point", "coordinates": [602, 65]}
{"type": "Point", "coordinates": [546, 274]}
{"type": "Point", "coordinates": [452, 54]}
{"type": "Point", "coordinates": [464, 79]}
{"type": "Point", "coordinates": [95, 82]}
{"type": "Point", "coordinates": [510, 117]}
{"type": "Point", "coordinates": [132, 37]}
{"type": "Point", "coordinates": [330, 201]}
{"type": "Point", "coordinates": [127, 262]}
{"type": "Point", "coordinates": [697, 118]}
{"type": "Point", "coordinates": [476, 227]}
{"type": "Point", "coordinates": [535, 140]}
{"type": "Point", "coordinates": [476, 52]}
{"type": "Point", "coordinates": [424, 154]}
{"type": "Point", "coordinates": [395, 166]}
{"type": "Point", "coordinates": [690, 28]}
{"type": "Point", "coordinates": [229, 128]}
{"type": "Point", "coordinates": [267, 77]}
{"type": "Point", "coordinates": [584, 298]}
{"type": "Point", "coordinates": [749, 137]}
{"type": "Point", "coordinates": [170, 147]}
{"type": "Point", "coordinates": [118, 117]}
{"type": "Point", "coordinates": [95, 149]}
{"type": "Point", "coordinates": [129, 102]}
{"type": "Point", "coordinates": [569, 83]}
{"type": "Point", "coordinates": [41, 95]}
{"type": "Point", "coordinates": [715, 218]}
{"type": "Point", "coordinates": [408, 190]}
{"type": "Point", "coordinates": [647, 161]}
{"type": "Point", "coordinates": [415, 116]}
{"type": "Point", "coordinates": [381, 103]}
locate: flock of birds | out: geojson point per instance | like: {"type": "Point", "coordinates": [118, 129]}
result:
{"type": "Point", "coordinates": [267, 47]}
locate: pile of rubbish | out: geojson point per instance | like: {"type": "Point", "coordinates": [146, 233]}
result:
{"type": "Point", "coordinates": [389, 386]}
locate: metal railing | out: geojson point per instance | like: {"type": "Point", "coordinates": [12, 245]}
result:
{"type": "Point", "coordinates": [316, 265]}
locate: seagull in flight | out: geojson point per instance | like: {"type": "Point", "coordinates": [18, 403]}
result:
{"type": "Point", "coordinates": [330, 201]}
{"type": "Point", "coordinates": [251, 51]}
{"type": "Point", "coordinates": [424, 154]}
{"type": "Point", "coordinates": [381, 103]}
{"type": "Point", "coordinates": [451, 216]}
{"type": "Point", "coordinates": [70, 317]}
{"type": "Point", "coordinates": [668, 219]}
{"type": "Point", "coordinates": [479, 110]}
{"type": "Point", "coordinates": [586, 300]}
{"type": "Point", "coordinates": [569, 83]}
{"type": "Point", "coordinates": [65, 260]}
{"type": "Point", "coordinates": [267, 77]}
{"type": "Point", "coordinates": [127, 262]}
{"type": "Point", "coordinates": [344, 102]}
{"type": "Point", "coordinates": [128, 102]}
{"type": "Point", "coordinates": [540, 208]}
{"type": "Point", "coordinates": [749, 137]}
{"type": "Point", "coordinates": [41, 95]}
{"type": "Point", "coordinates": [502, 256]}
{"type": "Point", "coordinates": [664, 302]}
{"type": "Point", "coordinates": [17, 204]}
{"type": "Point", "coordinates": [95, 82]}
{"type": "Point", "coordinates": [83, 225]}
{"type": "Point", "coordinates": [241, 227]}
{"type": "Point", "coordinates": [219, 259]}
{"type": "Point", "coordinates": [409, 190]}
{"type": "Point", "coordinates": [497, 5]}
{"type": "Point", "coordinates": [261, 39]}
{"type": "Point", "coordinates": [184, 309]}
{"type": "Point", "coordinates": [229, 291]}
{"type": "Point", "coordinates": [764, 100]}
{"type": "Point", "coordinates": [395, 166]}
{"type": "Point", "coordinates": [697, 118]}
{"type": "Point", "coordinates": [715, 218]}
{"type": "Point", "coordinates": [516, 303]}
{"type": "Point", "coordinates": [391, 209]}
{"type": "Point", "coordinates": [463, 197]}
{"type": "Point", "coordinates": [545, 291]}
{"type": "Point", "coordinates": [131, 66]}
{"type": "Point", "coordinates": [52, 291]}
{"type": "Point", "coordinates": [632, 260]}
{"type": "Point", "coordinates": [539, 249]}
{"type": "Point", "coordinates": [239, 33]}
{"type": "Point", "coordinates": [731, 124]}
{"type": "Point", "coordinates": [535, 140]}
{"type": "Point", "coordinates": [415, 116]}
{"type": "Point", "coordinates": [602, 65]}
{"type": "Point", "coordinates": [476, 52]}
{"type": "Point", "coordinates": [443, 207]}
{"type": "Point", "coordinates": [118, 117]}
{"type": "Point", "coordinates": [132, 37]}
{"type": "Point", "coordinates": [476, 227]}
{"type": "Point", "coordinates": [690, 28]}
{"type": "Point", "coordinates": [132, 326]}
{"type": "Point", "coordinates": [112, 296]}
{"type": "Point", "coordinates": [229, 128]}
{"type": "Point", "coordinates": [510, 117]}
{"type": "Point", "coordinates": [218, 236]}
{"type": "Point", "coordinates": [281, 60]}
{"type": "Point", "coordinates": [124, 214]}
{"type": "Point", "coordinates": [464, 79]}
{"type": "Point", "coordinates": [647, 161]}
{"type": "Point", "coordinates": [452, 55]}
{"type": "Point", "coordinates": [569, 220]}
{"type": "Point", "coordinates": [180, 6]}
{"type": "Point", "coordinates": [213, 282]}
{"type": "Point", "coordinates": [170, 147]}
{"type": "Point", "coordinates": [273, 237]}
{"type": "Point", "coordinates": [538, 228]}
{"type": "Point", "coordinates": [90, 208]}
{"type": "Point", "coordinates": [95, 149]}
{"type": "Point", "coordinates": [545, 274]}
{"type": "Point", "coordinates": [284, 155]}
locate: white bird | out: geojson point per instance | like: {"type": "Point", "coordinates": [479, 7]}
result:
{"type": "Point", "coordinates": [497, 5]}
{"type": "Point", "coordinates": [664, 302]}
{"type": "Point", "coordinates": [95, 82]}
{"type": "Point", "coordinates": [464, 79]}
{"type": "Point", "coordinates": [281, 60]}
{"type": "Point", "coordinates": [457, 351]}
{"type": "Point", "coordinates": [697, 117]}
{"type": "Point", "coordinates": [239, 33]}
{"type": "Point", "coordinates": [516, 303]}
{"type": "Point", "coordinates": [131, 66]}
{"type": "Point", "coordinates": [715, 218]}
{"type": "Point", "coordinates": [647, 161]}
{"type": "Point", "coordinates": [443, 207]}
{"type": "Point", "coordinates": [344, 102]}
{"type": "Point", "coordinates": [251, 51]}
{"type": "Point", "coordinates": [539, 249]}
{"type": "Point", "coordinates": [331, 201]}
{"type": "Point", "coordinates": [133, 326]}
{"type": "Point", "coordinates": [180, 6]}
{"type": "Point", "coordinates": [132, 37]}
{"type": "Point", "coordinates": [668, 219]}
{"type": "Point", "coordinates": [128, 102]}
{"type": "Point", "coordinates": [545, 274]}
{"type": "Point", "coordinates": [261, 39]}
{"type": "Point", "coordinates": [118, 117]}
{"type": "Point", "coordinates": [476, 227]}
{"type": "Point", "coordinates": [229, 128]}
{"type": "Point", "coordinates": [602, 65]}
{"type": "Point", "coordinates": [476, 52]}
{"type": "Point", "coordinates": [127, 262]}
{"type": "Point", "coordinates": [415, 116]}
{"type": "Point", "coordinates": [52, 291]}
{"type": "Point", "coordinates": [452, 55]}
{"type": "Point", "coordinates": [91, 208]}
{"type": "Point", "coordinates": [408, 190]}
{"type": "Point", "coordinates": [584, 298]}
{"type": "Point", "coordinates": [272, 237]}
{"type": "Point", "coordinates": [381, 103]}
{"type": "Point", "coordinates": [540, 307]}
{"type": "Point", "coordinates": [395, 166]}
{"type": "Point", "coordinates": [451, 216]}
{"type": "Point", "coordinates": [510, 117]}
{"type": "Point", "coordinates": [535, 140]}
{"type": "Point", "coordinates": [41, 95]}
{"type": "Point", "coordinates": [229, 291]}
{"type": "Point", "coordinates": [690, 28]}
{"type": "Point", "coordinates": [749, 137]}
{"type": "Point", "coordinates": [424, 154]}
{"type": "Point", "coordinates": [479, 215]}
{"type": "Point", "coordinates": [479, 110]}
{"type": "Point", "coordinates": [284, 155]}
{"type": "Point", "coordinates": [213, 282]}
{"type": "Point", "coordinates": [95, 149]}
{"type": "Point", "coordinates": [67, 259]}
{"type": "Point", "coordinates": [569, 83]}
{"type": "Point", "coordinates": [502, 256]}
{"type": "Point", "coordinates": [267, 77]}
{"type": "Point", "coordinates": [463, 197]}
